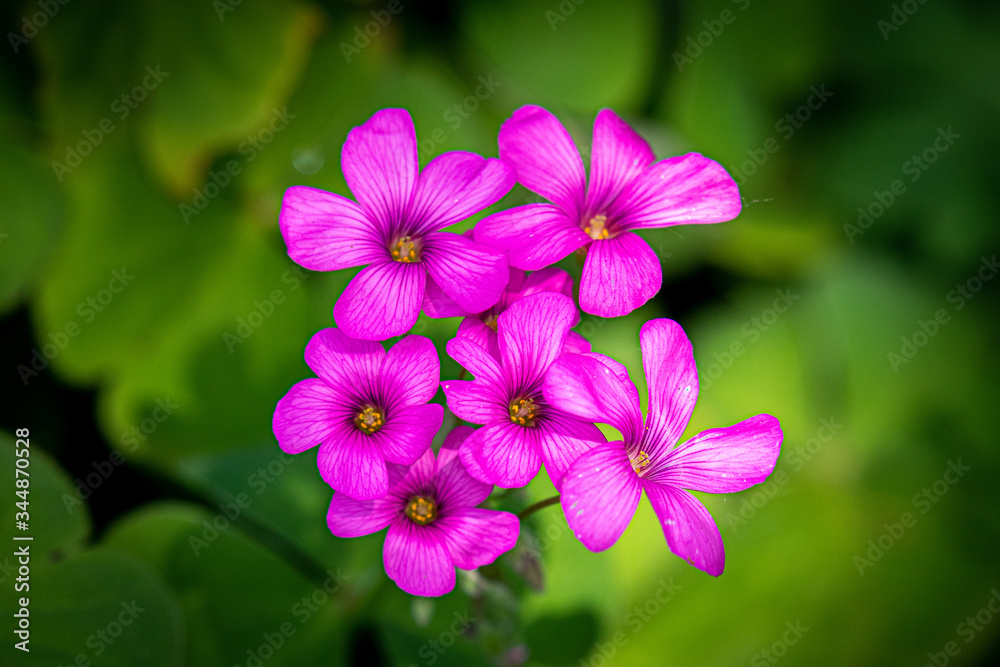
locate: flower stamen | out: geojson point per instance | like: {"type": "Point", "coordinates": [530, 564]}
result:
{"type": "Point", "coordinates": [369, 420]}
{"type": "Point", "coordinates": [524, 412]}
{"type": "Point", "coordinates": [597, 228]}
{"type": "Point", "coordinates": [421, 510]}
{"type": "Point", "coordinates": [406, 250]}
{"type": "Point", "coordinates": [640, 462]}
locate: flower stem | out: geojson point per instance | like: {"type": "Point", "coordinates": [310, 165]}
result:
{"type": "Point", "coordinates": [531, 509]}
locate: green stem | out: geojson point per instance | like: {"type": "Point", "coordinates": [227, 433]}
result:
{"type": "Point", "coordinates": [531, 509]}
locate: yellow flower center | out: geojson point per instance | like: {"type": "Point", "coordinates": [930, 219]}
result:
{"type": "Point", "coordinates": [640, 462]}
{"type": "Point", "coordinates": [596, 228]}
{"type": "Point", "coordinates": [524, 412]}
{"type": "Point", "coordinates": [369, 420]}
{"type": "Point", "coordinates": [406, 250]}
{"type": "Point", "coordinates": [421, 510]}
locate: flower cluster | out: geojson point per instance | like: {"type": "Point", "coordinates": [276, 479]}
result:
{"type": "Point", "coordinates": [537, 391]}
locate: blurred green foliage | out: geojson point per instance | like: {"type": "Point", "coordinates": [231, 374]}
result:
{"type": "Point", "coordinates": [177, 126]}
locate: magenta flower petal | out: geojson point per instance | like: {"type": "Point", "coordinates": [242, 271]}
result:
{"type": "Point", "coordinates": [724, 460]}
{"type": "Point", "coordinates": [619, 275]}
{"type": "Point", "coordinates": [532, 332]}
{"type": "Point", "coordinates": [566, 438]}
{"type": "Point", "coordinates": [456, 487]}
{"type": "Point", "coordinates": [352, 462]}
{"type": "Point", "coordinates": [341, 361]}
{"type": "Point", "coordinates": [327, 232]}
{"type": "Point", "coordinates": [454, 186]}
{"type": "Point", "coordinates": [683, 190]}
{"type": "Point", "coordinates": [437, 304]}
{"type": "Point", "coordinates": [475, 330]}
{"type": "Point", "coordinates": [348, 517]}
{"type": "Point", "coordinates": [409, 432]}
{"type": "Point", "coordinates": [379, 161]}
{"type": "Point", "coordinates": [690, 530]}
{"type": "Point", "coordinates": [617, 156]}
{"type": "Point", "coordinates": [382, 301]}
{"type": "Point", "coordinates": [672, 378]}
{"type": "Point", "coordinates": [532, 236]}
{"type": "Point", "coordinates": [544, 157]}
{"type": "Point", "coordinates": [476, 537]}
{"type": "Point", "coordinates": [590, 390]}
{"type": "Point", "coordinates": [471, 274]}
{"type": "Point", "coordinates": [600, 494]}
{"type": "Point", "coordinates": [456, 437]}
{"type": "Point", "coordinates": [508, 452]}
{"type": "Point", "coordinates": [417, 560]}
{"type": "Point", "coordinates": [411, 371]}
{"type": "Point", "coordinates": [477, 402]}
{"type": "Point", "coordinates": [302, 418]}
{"type": "Point", "coordinates": [575, 344]}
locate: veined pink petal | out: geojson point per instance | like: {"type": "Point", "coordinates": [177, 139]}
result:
{"type": "Point", "coordinates": [533, 236]}
{"type": "Point", "coordinates": [349, 365]}
{"type": "Point", "coordinates": [382, 301]}
{"type": "Point", "coordinates": [509, 453]}
{"type": "Point", "coordinates": [437, 304]}
{"type": "Point", "coordinates": [455, 185]}
{"type": "Point", "coordinates": [477, 361]}
{"type": "Point", "coordinates": [476, 537]}
{"type": "Point", "coordinates": [532, 332]}
{"type": "Point", "coordinates": [416, 558]}
{"type": "Point", "coordinates": [348, 517]}
{"type": "Point", "coordinates": [474, 329]}
{"type": "Point", "coordinates": [379, 161]}
{"type": "Point", "coordinates": [672, 378]}
{"type": "Point", "coordinates": [690, 530]}
{"type": "Point", "coordinates": [304, 417]}
{"type": "Point", "coordinates": [683, 190]}
{"type": "Point", "coordinates": [327, 232]}
{"type": "Point", "coordinates": [456, 437]}
{"type": "Point", "coordinates": [409, 431]}
{"type": "Point", "coordinates": [455, 487]}
{"type": "Point", "coordinates": [420, 476]}
{"type": "Point", "coordinates": [618, 155]}
{"type": "Point", "coordinates": [575, 344]}
{"type": "Point", "coordinates": [593, 391]}
{"type": "Point", "coordinates": [563, 439]}
{"type": "Point", "coordinates": [600, 493]}
{"type": "Point", "coordinates": [544, 157]}
{"type": "Point", "coordinates": [351, 462]}
{"type": "Point", "coordinates": [471, 274]}
{"type": "Point", "coordinates": [724, 460]}
{"type": "Point", "coordinates": [619, 275]}
{"type": "Point", "coordinates": [549, 279]}
{"type": "Point", "coordinates": [411, 371]}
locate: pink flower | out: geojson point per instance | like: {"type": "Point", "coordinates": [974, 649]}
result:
{"type": "Point", "coordinates": [601, 489]}
{"type": "Point", "coordinates": [522, 430]}
{"type": "Point", "coordinates": [366, 408]}
{"type": "Point", "coordinates": [481, 328]}
{"type": "Point", "coordinates": [627, 191]}
{"type": "Point", "coordinates": [395, 226]}
{"type": "Point", "coordinates": [434, 524]}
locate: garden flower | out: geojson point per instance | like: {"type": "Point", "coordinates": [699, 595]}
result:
{"type": "Point", "coordinates": [395, 228]}
{"type": "Point", "coordinates": [434, 524]}
{"type": "Point", "coordinates": [521, 428]}
{"type": "Point", "coordinates": [627, 191]}
{"type": "Point", "coordinates": [481, 328]}
{"type": "Point", "coordinates": [601, 489]}
{"type": "Point", "coordinates": [367, 407]}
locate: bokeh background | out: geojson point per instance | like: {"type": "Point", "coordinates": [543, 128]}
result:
{"type": "Point", "coordinates": [151, 319]}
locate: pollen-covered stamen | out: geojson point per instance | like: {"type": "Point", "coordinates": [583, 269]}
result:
{"type": "Point", "coordinates": [421, 510]}
{"type": "Point", "coordinates": [370, 419]}
{"type": "Point", "coordinates": [405, 249]}
{"type": "Point", "coordinates": [597, 227]}
{"type": "Point", "coordinates": [640, 462]}
{"type": "Point", "coordinates": [524, 411]}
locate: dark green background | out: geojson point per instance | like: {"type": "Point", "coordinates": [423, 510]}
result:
{"type": "Point", "coordinates": [793, 545]}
